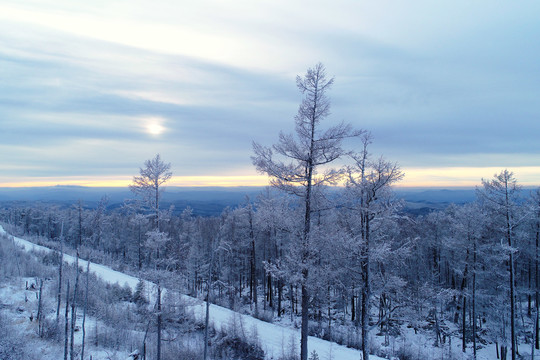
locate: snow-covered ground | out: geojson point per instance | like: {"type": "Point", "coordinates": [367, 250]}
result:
{"type": "Point", "coordinates": [19, 303]}
{"type": "Point", "coordinates": [274, 339]}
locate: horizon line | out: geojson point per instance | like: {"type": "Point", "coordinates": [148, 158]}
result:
{"type": "Point", "coordinates": [527, 176]}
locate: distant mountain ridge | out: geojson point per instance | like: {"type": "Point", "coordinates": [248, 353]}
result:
{"type": "Point", "coordinates": [212, 200]}
{"type": "Point", "coordinates": [204, 201]}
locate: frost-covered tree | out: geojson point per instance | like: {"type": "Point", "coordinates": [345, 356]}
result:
{"type": "Point", "coordinates": [148, 186]}
{"type": "Point", "coordinates": [98, 222]}
{"type": "Point", "coordinates": [500, 197]}
{"type": "Point", "coordinates": [139, 222]}
{"type": "Point", "coordinates": [467, 224]}
{"type": "Point", "coordinates": [370, 201]}
{"type": "Point", "coordinates": [294, 165]}
{"type": "Point", "coordinates": [535, 210]}
{"type": "Point", "coordinates": [275, 223]}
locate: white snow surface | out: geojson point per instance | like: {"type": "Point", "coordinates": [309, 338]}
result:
{"type": "Point", "coordinates": [274, 339]}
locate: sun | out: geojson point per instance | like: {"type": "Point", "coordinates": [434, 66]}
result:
{"type": "Point", "coordinates": [154, 128]}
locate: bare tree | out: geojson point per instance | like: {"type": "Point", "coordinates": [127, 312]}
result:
{"type": "Point", "coordinates": [40, 316]}
{"type": "Point", "coordinates": [159, 321]}
{"type": "Point", "coordinates": [85, 309]}
{"type": "Point", "coordinates": [148, 185]}
{"type": "Point", "coordinates": [536, 210]}
{"type": "Point", "coordinates": [66, 324]}
{"type": "Point", "coordinates": [61, 261]}
{"type": "Point", "coordinates": [299, 159]}
{"type": "Point", "coordinates": [500, 198]}
{"type": "Point", "coordinates": [368, 187]}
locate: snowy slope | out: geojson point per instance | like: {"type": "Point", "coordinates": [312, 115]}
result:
{"type": "Point", "coordinates": [275, 339]}
{"type": "Point", "coordinates": [18, 295]}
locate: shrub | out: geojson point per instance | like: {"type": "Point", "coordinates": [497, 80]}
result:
{"type": "Point", "coordinates": [12, 347]}
{"type": "Point", "coordinates": [232, 342]}
{"type": "Point", "coordinates": [138, 296]}
{"type": "Point", "coordinates": [234, 347]}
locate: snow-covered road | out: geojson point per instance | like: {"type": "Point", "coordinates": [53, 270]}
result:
{"type": "Point", "coordinates": [275, 339]}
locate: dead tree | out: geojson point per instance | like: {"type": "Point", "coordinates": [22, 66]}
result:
{"type": "Point", "coordinates": [66, 326]}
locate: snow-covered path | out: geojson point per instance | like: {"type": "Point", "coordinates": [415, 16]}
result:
{"type": "Point", "coordinates": [275, 339]}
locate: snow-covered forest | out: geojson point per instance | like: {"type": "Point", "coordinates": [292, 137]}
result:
{"type": "Point", "coordinates": [327, 249]}
{"type": "Point", "coordinates": [446, 275]}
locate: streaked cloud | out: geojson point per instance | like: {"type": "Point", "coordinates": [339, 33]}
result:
{"type": "Point", "coordinates": [94, 89]}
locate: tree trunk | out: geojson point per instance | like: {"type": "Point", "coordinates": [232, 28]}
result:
{"type": "Point", "coordinates": [329, 300]}
{"type": "Point", "coordinates": [366, 289]}
{"type": "Point", "coordinates": [365, 323]}
{"type": "Point", "coordinates": [280, 296]}
{"type": "Point", "coordinates": [537, 285]}
{"type": "Point", "coordinates": [59, 293]}
{"type": "Point", "coordinates": [84, 309]}
{"type": "Point", "coordinates": [270, 292]}
{"type": "Point", "coordinates": [292, 300]}
{"type": "Point", "coordinates": [474, 301]}
{"type": "Point", "coordinates": [74, 309]}
{"type": "Point", "coordinates": [353, 310]}
{"type": "Point", "coordinates": [139, 246]}
{"type": "Point", "coordinates": [144, 338]}
{"type": "Point", "coordinates": [464, 325]}
{"type": "Point", "coordinates": [304, 327]}
{"type": "Point", "coordinates": [40, 309]}
{"type": "Point", "coordinates": [253, 283]}
{"type": "Point", "coordinates": [529, 283]}
{"type": "Point", "coordinates": [66, 324]}
{"type": "Point", "coordinates": [305, 248]}
{"type": "Point", "coordinates": [208, 293]}
{"type": "Point", "coordinates": [512, 305]}
{"type": "Point", "coordinates": [437, 329]}
{"type": "Point", "coordinates": [158, 356]}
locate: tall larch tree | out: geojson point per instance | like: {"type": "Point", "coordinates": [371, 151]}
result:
{"type": "Point", "coordinates": [369, 200]}
{"type": "Point", "coordinates": [500, 197]}
{"type": "Point", "coordinates": [293, 165]}
{"type": "Point", "coordinates": [148, 186]}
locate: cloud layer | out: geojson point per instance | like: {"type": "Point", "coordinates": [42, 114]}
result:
{"type": "Point", "coordinates": [441, 86]}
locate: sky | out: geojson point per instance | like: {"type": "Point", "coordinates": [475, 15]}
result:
{"type": "Point", "coordinates": [89, 90]}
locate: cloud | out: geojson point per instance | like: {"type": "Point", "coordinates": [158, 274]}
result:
{"type": "Point", "coordinates": [439, 85]}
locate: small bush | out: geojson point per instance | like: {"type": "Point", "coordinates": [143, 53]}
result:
{"type": "Point", "coordinates": [138, 296]}
{"type": "Point", "coordinates": [266, 316]}
{"type": "Point", "coordinates": [51, 329]}
{"type": "Point", "coordinates": [51, 258]}
{"type": "Point", "coordinates": [12, 347]}
{"type": "Point", "coordinates": [290, 352]}
{"type": "Point", "coordinates": [234, 347]}
{"type": "Point", "coordinates": [232, 342]}
{"type": "Point", "coordinates": [121, 293]}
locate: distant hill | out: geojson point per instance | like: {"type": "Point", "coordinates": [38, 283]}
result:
{"type": "Point", "coordinates": [204, 200]}
{"type": "Point", "coordinates": [208, 201]}
{"type": "Point", "coordinates": [421, 201]}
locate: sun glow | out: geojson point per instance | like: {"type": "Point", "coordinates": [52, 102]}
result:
{"type": "Point", "coordinates": [414, 177]}
{"type": "Point", "coordinates": [154, 128]}
{"type": "Point", "coordinates": [124, 181]}
{"type": "Point", "coordinates": [153, 125]}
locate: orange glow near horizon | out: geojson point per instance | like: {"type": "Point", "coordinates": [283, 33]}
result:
{"type": "Point", "coordinates": [124, 181]}
{"type": "Point", "coordinates": [465, 176]}
{"type": "Point", "coordinates": [414, 177]}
